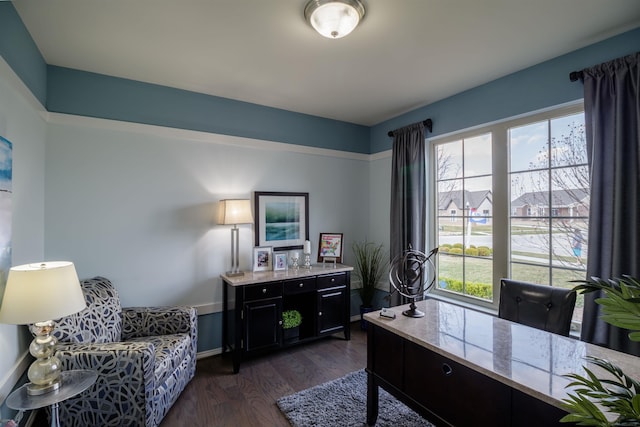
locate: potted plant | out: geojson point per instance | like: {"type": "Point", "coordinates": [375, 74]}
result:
{"type": "Point", "coordinates": [618, 394]}
{"type": "Point", "coordinates": [369, 268]}
{"type": "Point", "coordinates": [291, 320]}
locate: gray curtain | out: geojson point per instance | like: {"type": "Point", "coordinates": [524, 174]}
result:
{"type": "Point", "coordinates": [408, 194]}
{"type": "Point", "coordinates": [612, 118]}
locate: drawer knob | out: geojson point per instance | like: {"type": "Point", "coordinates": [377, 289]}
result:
{"type": "Point", "coordinates": [447, 370]}
{"type": "Point", "coordinates": [301, 285]}
{"type": "Point", "coordinates": [319, 313]}
{"type": "Point", "coordinates": [333, 280]}
{"type": "Point", "coordinates": [264, 290]}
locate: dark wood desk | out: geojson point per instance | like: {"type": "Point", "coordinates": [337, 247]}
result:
{"type": "Point", "coordinates": [460, 367]}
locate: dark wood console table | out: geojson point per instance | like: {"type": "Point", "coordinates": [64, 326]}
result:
{"type": "Point", "coordinates": [253, 306]}
{"type": "Point", "coordinates": [460, 367]}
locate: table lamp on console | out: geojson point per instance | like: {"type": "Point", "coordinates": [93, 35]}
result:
{"type": "Point", "coordinates": [234, 212]}
{"type": "Point", "coordinates": [34, 295]}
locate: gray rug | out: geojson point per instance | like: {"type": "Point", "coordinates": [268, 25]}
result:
{"type": "Point", "coordinates": [343, 402]}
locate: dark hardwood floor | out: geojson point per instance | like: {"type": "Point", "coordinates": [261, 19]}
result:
{"type": "Point", "coordinates": [217, 397]}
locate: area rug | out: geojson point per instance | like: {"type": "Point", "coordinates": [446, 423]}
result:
{"type": "Point", "coordinates": [343, 402]}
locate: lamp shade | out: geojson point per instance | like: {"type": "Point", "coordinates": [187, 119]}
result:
{"type": "Point", "coordinates": [40, 292]}
{"type": "Point", "coordinates": [334, 18]}
{"type": "Point", "coordinates": [235, 211]}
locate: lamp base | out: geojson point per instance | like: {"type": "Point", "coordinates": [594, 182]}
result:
{"type": "Point", "coordinates": [37, 390]}
{"type": "Point", "coordinates": [234, 273]}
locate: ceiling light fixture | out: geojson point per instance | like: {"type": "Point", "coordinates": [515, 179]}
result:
{"type": "Point", "coordinates": [334, 18]}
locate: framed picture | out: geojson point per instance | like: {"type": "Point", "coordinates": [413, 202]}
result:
{"type": "Point", "coordinates": [280, 261]}
{"type": "Point", "coordinates": [330, 246]}
{"type": "Point", "coordinates": [281, 219]}
{"type": "Point", "coordinates": [262, 258]}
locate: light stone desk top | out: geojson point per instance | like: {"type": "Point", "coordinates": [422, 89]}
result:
{"type": "Point", "coordinates": [250, 278]}
{"type": "Point", "coordinates": [527, 359]}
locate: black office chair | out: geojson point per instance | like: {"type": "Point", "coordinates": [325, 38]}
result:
{"type": "Point", "coordinates": [539, 306]}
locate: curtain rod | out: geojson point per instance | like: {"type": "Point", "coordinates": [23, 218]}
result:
{"type": "Point", "coordinates": [575, 75]}
{"type": "Point", "coordinates": [427, 123]}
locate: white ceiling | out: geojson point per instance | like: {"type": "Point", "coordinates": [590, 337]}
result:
{"type": "Point", "coordinates": [405, 54]}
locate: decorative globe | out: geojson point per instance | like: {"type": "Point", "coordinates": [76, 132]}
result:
{"type": "Point", "coordinates": [412, 274]}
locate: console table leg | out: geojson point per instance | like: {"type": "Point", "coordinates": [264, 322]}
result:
{"type": "Point", "coordinates": [372, 400]}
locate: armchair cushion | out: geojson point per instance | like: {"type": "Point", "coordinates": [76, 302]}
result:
{"type": "Point", "coordinates": [144, 356]}
{"type": "Point", "coordinates": [169, 351]}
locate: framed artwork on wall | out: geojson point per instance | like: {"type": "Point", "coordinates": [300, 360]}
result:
{"type": "Point", "coordinates": [330, 246]}
{"type": "Point", "coordinates": [6, 209]}
{"type": "Point", "coordinates": [281, 219]}
{"type": "Point", "coordinates": [262, 258]}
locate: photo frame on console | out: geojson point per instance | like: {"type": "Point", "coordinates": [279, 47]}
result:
{"type": "Point", "coordinates": [330, 247]}
{"type": "Point", "coordinates": [281, 219]}
{"type": "Point", "coordinates": [280, 261]}
{"type": "Point", "coordinates": [262, 258]}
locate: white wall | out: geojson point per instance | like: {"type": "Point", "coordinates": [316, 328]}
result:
{"type": "Point", "coordinates": [380, 198]}
{"type": "Point", "coordinates": [22, 123]}
{"type": "Point", "coordinates": [135, 203]}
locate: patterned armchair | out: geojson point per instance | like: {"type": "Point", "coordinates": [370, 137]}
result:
{"type": "Point", "coordinates": [144, 358]}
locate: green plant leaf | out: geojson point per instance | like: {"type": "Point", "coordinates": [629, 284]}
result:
{"type": "Point", "coordinates": [370, 265]}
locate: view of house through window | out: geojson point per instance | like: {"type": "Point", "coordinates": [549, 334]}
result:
{"type": "Point", "coordinates": [464, 216]}
{"type": "Point", "coordinates": [542, 233]}
{"type": "Point", "coordinates": [549, 193]}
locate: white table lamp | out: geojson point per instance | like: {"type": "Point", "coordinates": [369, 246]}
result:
{"type": "Point", "coordinates": [35, 294]}
{"type": "Point", "coordinates": [234, 212]}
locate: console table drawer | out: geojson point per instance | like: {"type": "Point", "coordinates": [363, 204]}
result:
{"type": "Point", "coordinates": [332, 280]}
{"type": "Point", "coordinates": [297, 286]}
{"type": "Point", "coordinates": [264, 290]}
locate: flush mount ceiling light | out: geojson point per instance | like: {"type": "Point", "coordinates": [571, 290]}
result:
{"type": "Point", "coordinates": [334, 18]}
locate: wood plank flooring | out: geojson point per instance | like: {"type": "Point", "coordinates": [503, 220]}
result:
{"type": "Point", "coordinates": [217, 397]}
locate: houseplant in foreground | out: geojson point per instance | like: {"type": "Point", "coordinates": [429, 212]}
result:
{"type": "Point", "coordinates": [369, 268]}
{"type": "Point", "coordinates": [618, 393]}
{"type": "Point", "coordinates": [291, 320]}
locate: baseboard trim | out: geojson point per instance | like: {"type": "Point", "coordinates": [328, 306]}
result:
{"type": "Point", "coordinates": [208, 353]}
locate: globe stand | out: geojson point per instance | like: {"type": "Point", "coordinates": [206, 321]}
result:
{"type": "Point", "coordinates": [413, 311]}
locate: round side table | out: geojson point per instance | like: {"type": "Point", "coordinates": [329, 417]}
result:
{"type": "Point", "coordinates": [73, 382]}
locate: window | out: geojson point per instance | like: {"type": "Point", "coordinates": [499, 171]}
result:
{"type": "Point", "coordinates": [464, 179]}
{"type": "Point", "coordinates": [523, 192]}
{"type": "Point", "coordinates": [548, 164]}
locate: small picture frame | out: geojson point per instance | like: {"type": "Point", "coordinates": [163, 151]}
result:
{"type": "Point", "coordinates": [280, 261]}
{"type": "Point", "coordinates": [330, 246]}
{"type": "Point", "coordinates": [262, 258]}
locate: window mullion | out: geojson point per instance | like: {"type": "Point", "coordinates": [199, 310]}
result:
{"type": "Point", "coordinates": [501, 207]}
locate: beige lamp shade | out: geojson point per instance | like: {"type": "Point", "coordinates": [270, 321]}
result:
{"type": "Point", "coordinates": [235, 211]}
{"type": "Point", "coordinates": [41, 291]}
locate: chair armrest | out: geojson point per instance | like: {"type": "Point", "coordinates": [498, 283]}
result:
{"type": "Point", "coordinates": [154, 321]}
{"type": "Point", "coordinates": [125, 380]}
{"type": "Point", "coordinates": [115, 363]}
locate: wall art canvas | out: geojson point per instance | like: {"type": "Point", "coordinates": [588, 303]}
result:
{"type": "Point", "coordinates": [6, 209]}
{"type": "Point", "coordinates": [282, 219]}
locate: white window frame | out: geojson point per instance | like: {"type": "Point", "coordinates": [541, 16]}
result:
{"type": "Point", "coordinates": [500, 190]}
